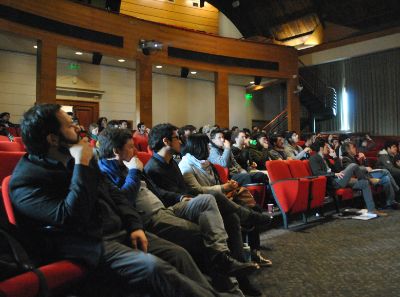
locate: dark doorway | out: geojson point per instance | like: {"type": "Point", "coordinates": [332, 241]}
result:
{"type": "Point", "coordinates": [86, 112]}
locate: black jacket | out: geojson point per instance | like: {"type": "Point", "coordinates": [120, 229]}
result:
{"type": "Point", "coordinates": [168, 179]}
{"type": "Point", "coordinates": [77, 203]}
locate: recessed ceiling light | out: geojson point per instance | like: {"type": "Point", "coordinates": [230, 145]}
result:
{"type": "Point", "coordinates": [35, 46]}
{"type": "Point", "coordinates": [159, 66]}
{"type": "Point", "coordinates": [252, 82]}
{"type": "Point", "coordinates": [193, 72]}
{"type": "Point", "coordinates": [121, 60]}
{"type": "Point", "coordinates": [79, 53]}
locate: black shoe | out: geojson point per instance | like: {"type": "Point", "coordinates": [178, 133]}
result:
{"type": "Point", "coordinates": [257, 218]}
{"type": "Point", "coordinates": [228, 266]}
{"type": "Point", "coordinates": [247, 288]}
{"type": "Point", "coordinates": [395, 205]}
{"type": "Point", "coordinates": [221, 283]}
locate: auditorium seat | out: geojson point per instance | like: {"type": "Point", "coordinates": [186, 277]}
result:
{"type": "Point", "coordinates": [8, 161]}
{"type": "Point", "coordinates": [339, 194]}
{"type": "Point", "coordinates": [4, 138]}
{"type": "Point", "coordinates": [256, 189]}
{"type": "Point", "coordinates": [7, 146]}
{"type": "Point", "coordinates": [317, 189]}
{"type": "Point", "coordinates": [291, 194]}
{"type": "Point", "coordinates": [59, 276]}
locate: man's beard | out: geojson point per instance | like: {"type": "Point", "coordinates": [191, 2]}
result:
{"type": "Point", "coordinates": [65, 144]}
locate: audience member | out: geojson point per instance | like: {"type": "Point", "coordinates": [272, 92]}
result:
{"type": "Point", "coordinates": [378, 177]}
{"type": "Point", "coordinates": [5, 119]}
{"type": "Point", "coordinates": [102, 123]}
{"type": "Point", "coordinates": [123, 124]}
{"type": "Point", "coordinates": [339, 179]}
{"type": "Point", "coordinates": [180, 223]}
{"type": "Point", "coordinates": [294, 151]}
{"type": "Point", "coordinates": [277, 150]}
{"type": "Point", "coordinates": [141, 137]}
{"type": "Point", "coordinates": [163, 140]}
{"type": "Point", "coordinates": [58, 189]}
{"type": "Point", "coordinates": [221, 154]}
{"type": "Point", "coordinates": [387, 159]}
{"type": "Point", "coordinates": [200, 175]}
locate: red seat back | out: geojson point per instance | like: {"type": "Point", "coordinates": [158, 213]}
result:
{"type": "Point", "coordinates": [7, 201]}
{"type": "Point", "coordinates": [8, 161]}
{"type": "Point", "coordinates": [144, 157]}
{"type": "Point", "coordinates": [297, 168]}
{"type": "Point", "coordinates": [223, 173]}
{"type": "Point", "coordinates": [4, 138]}
{"type": "Point", "coordinates": [278, 170]}
{"type": "Point", "coordinates": [7, 146]}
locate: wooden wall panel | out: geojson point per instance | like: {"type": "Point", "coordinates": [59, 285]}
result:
{"type": "Point", "coordinates": [133, 30]}
{"type": "Point", "coordinates": [180, 14]}
{"type": "Point", "coordinates": [46, 72]}
{"type": "Point", "coordinates": [221, 99]}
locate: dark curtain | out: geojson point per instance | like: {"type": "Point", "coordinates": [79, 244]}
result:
{"type": "Point", "coordinates": [373, 87]}
{"type": "Point", "coordinates": [333, 75]}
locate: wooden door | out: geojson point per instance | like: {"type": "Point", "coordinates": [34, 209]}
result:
{"type": "Point", "coordinates": [86, 112]}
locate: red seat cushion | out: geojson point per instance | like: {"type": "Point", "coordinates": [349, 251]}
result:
{"type": "Point", "coordinates": [7, 146]}
{"type": "Point", "coordinates": [222, 172]}
{"type": "Point", "coordinates": [345, 193]}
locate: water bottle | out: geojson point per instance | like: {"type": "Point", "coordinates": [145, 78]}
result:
{"type": "Point", "coordinates": [246, 252]}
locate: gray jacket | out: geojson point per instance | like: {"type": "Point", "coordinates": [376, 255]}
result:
{"type": "Point", "coordinates": [386, 161]}
{"type": "Point", "coordinates": [224, 158]}
{"type": "Point", "coordinates": [198, 176]}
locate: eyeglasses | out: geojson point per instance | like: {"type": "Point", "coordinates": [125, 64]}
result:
{"type": "Point", "coordinates": [175, 137]}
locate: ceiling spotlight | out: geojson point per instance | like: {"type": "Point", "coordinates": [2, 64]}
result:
{"type": "Point", "coordinates": [235, 3]}
{"type": "Point", "coordinates": [79, 53]}
{"type": "Point", "coordinates": [252, 82]}
{"type": "Point", "coordinates": [35, 46]}
{"type": "Point", "coordinates": [193, 72]}
{"type": "Point", "coordinates": [121, 60]}
{"type": "Point", "coordinates": [159, 66]}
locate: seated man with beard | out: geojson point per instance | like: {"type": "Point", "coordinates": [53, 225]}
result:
{"type": "Point", "coordinates": [64, 205]}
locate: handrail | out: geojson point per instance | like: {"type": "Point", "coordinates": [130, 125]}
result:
{"type": "Point", "coordinates": [275, 119]}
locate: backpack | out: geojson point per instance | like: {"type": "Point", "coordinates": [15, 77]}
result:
{"type": "Point", "coordinates": [14, 260]}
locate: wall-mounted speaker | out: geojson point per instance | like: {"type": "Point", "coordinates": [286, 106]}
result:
{"type": "Point", "coordinates": [184, 72]}
{"type": "Point", "coordinates": [96, 59]}
{"type": "Point", "coordinates": [257, 80]}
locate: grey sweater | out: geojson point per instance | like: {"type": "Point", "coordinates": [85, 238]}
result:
{"type": "Point", "coordinates": [199, 175]}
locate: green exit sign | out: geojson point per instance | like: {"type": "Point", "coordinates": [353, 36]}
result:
{"type": "Point", "coordinates": [74, 66]}
{"type": "Point", "coordinates": [248, 96]}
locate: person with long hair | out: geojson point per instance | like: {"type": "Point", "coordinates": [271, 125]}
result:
{"type": "Point", "coordinates": [200, 175]}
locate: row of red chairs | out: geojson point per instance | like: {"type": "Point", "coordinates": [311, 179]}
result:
{"type": "Point", "coordinates": [294, 188]}
{"type": "Point", "coordinates": [8, 146]}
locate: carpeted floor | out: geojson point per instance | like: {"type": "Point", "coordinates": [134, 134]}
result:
{"type": "Point", "coordinates": [336, 258]}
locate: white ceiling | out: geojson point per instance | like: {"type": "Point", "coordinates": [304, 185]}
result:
{"type": "Point", "coordinates": [15, 43]}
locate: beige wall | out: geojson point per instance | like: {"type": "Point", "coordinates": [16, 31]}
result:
{"type": "Point", "coordinates": [118, 84]}
{"type": "Point", "coordinates": [182, 101]}
{"type": "Point", "coordinates": [176, 100]}
{"type": "Point", "coordinates": [17, 83]}
{"type": "Point", "coordinates": [352, 50]}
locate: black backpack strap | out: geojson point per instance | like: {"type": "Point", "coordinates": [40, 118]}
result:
{"type": "Point", "coordinates": [24, 262]}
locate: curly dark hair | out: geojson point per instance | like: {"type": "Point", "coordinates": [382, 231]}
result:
{"type": "Point", "coordinates": [38, 122]}
{"type": "Point", "coordinates": [158, 133]}
{"type": "Point", "coordinates": [112, 138]}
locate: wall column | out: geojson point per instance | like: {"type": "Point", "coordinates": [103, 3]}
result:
{"type": "Point", "coordinates": [221, 99]}
{"type": "Point", "coordinates": [46, 72]}
{"type": "Point", "coordinates": [144, 92]}
{"type": "Point", "coordinates": [293, 104]}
